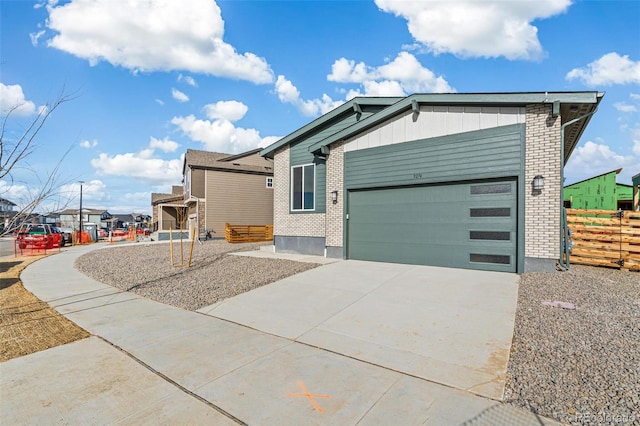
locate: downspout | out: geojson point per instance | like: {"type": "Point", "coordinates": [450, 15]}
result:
{"type": "Point", "coordinates": [562, 128]}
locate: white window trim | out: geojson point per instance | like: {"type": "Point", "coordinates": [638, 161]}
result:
{"type": "Point", "coordinates": [291, 188]}
{"type": "Point", "coordinates": [267, 183]}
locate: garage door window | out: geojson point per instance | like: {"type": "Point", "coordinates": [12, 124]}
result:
{"type": "Point", "coordinates": [303, 187]}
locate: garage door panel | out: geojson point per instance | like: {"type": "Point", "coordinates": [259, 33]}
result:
{"type": "Point", "coordinates": [471, 225]}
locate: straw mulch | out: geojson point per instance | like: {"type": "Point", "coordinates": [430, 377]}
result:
{"type": "Point", "coordinates": [27, 324]}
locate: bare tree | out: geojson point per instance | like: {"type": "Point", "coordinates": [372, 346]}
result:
{"type": "Point", "coordinates": [14, 154]}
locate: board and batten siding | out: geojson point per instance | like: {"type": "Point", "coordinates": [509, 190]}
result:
{"type": "Point", "coordinates": [483, 154]}
{"type": "Point", "coordinates": [237, 198]}
{"type": "Point", "coordinates": [435, 121]}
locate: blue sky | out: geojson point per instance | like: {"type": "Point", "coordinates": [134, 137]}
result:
{"type": "Point", "coordinates": [152, 78]}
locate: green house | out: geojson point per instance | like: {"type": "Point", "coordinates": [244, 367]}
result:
{"type": "Point", "coordinates": [600, 192]}
{"type": "Point", "coordinates": [438, 179]}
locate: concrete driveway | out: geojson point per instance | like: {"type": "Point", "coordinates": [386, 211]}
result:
{"type": "Point", "coordinates": [449, 326]}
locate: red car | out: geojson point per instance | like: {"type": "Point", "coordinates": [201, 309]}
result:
{"type": "Point", "coordinates": [39, 237]}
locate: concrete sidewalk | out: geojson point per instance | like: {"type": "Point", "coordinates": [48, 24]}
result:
{"type": "Point", "coordinates": [151, 363]}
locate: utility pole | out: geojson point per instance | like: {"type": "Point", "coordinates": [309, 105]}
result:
{"type": "Point", "coordinates": [80, 234]}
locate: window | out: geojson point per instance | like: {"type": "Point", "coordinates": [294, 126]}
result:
{"type": "Point", "coordinates": [269, 182]}
{"type": "Point", "coordinates": [303, 186]}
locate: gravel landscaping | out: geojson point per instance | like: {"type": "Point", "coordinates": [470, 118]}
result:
{"type": "Point", "coordinates": [145, 269]}
{"type": "Point", "coordinates": [582, 365]}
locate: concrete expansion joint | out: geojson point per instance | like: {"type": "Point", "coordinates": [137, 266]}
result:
{"type": "Point", "coordinates": [172, 382]}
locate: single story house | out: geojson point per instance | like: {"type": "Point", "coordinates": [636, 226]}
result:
{"type": "Point", "coordinates": [600, 192]}
{"type": "Point", "coordinates": [457, 180]}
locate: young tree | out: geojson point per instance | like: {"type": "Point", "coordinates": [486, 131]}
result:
{"type": "Point", "coordinates": [14, 154]}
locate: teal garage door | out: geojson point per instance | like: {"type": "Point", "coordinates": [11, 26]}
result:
{"type": "Point", "coordinates": [470, 225]}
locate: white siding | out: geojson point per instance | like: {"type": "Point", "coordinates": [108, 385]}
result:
{"type": "Point", "coordinates": [434, 121]}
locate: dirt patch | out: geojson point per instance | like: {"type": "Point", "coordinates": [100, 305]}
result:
{"type": "Point", "coordinates": [27, 324]}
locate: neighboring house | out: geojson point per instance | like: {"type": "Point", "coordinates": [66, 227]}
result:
{"type": "Point", "coordinates": [600, 192]}
{"type": "Point", "coordinates": [70, 218]}
{"type": "Point", "coordinates": [6, 205]}
{"type": "Point", "coordinates": [165, 209]}
{"type": "Point", "coordinates": [224, 188]}
{"type": "Point", "coordinates": [6, 212]}
{"type": "Point", "coordinates": [51, 219]}
{"type": "Point", "coordinates": [432, 179]}
{"type": "Point", "coordinates": [126, 220]}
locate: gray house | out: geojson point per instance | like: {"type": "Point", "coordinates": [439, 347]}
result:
{"type": "Point", "coordinates": [457, 180]}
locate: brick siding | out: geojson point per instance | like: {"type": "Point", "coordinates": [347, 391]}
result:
{"type": "Point", "coordinates": [335, 182]}
{"type": "Point", "coordinates": [285, 223]}
{"type": "Point", "coordinates": [542, 210]}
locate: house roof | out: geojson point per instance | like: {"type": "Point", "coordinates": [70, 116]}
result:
{"type": "Point", "coordinates": [351, 107]}
{"type": "Point", "coordinates": [616, 171]}
{"type": "Point", "coordinates": [85, 210]}
{"type": "Point", "coordinates": [7, 202]}
{"type": "Point", "coordinates": [157, 198]}
{"type": "Point", "coordinates": [225, 162]}
{"type": "Point", "coordinates": [571, 105]}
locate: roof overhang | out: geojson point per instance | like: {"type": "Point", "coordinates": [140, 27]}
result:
{"type": "Point", "coordinates": [354, 106]}
{"type": "Point", "coordinates": [569, 105]}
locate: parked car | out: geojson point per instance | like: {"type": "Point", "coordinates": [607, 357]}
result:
{"type": "Point", "coordinates": [38, 236]}
{"type": "Point", "coordinates": [67, 234]}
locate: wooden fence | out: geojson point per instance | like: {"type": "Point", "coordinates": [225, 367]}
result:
{"type": "Point", "coordinates": [605, 238]}
{"type": "Point", "coordinates": [248, 233]}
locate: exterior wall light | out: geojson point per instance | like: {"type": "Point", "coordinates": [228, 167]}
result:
{"type": "Point", "coordinates": [538, 183]}
{"type": "Point", "coordinates": [334, 196]}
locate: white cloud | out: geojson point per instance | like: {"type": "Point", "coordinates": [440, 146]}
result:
{"type": "Point", "coordinates": [226, 110]}
{"type": "Point", "coordinates": [159, 101]}
{"type": "Point", "coordinates": [164, 145]}
{"type": "Point", "coordinates": [93, 191]}
{"type": "Point", "coordinates": [144, 165]}
{"type": "Point", "coordinates": [89, 144]}
{"type": "Point", "coordinates": [476, 28]}
{"type": "Point", "coordinates": [609, 69]}
{"type": "Point", "coordinates": [635, 96]}
{"type": "Point", "coordinates": [179, 96]}
{"type": "Point", "coordinates": [593, 159]}
{"type": "Point", "coordinates": [624, 107]}
{"type": "Point", "coordinates": [288, 93]}
{"type": "Point", "coordinates": [188, 80]}
{"type": "Point", "coordinates": [153, 35]}
{"type": "Point", "coordinates": [400, 77]}
{"type": "Point", "coordinates": [16, 193]}
{"type": "Point", "coordinates": [11, 97]}
{"type": "Point", "coordinates": [219, 134]}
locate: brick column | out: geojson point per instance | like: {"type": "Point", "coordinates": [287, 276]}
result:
{"type": "Point", "coordinates": [542, 210]}
{"type": "Point", "coordinates": [335, 182]}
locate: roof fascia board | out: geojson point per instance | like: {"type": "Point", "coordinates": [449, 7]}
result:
{"type": "Point", "coordinates": [345, 109]}
{"type": "Point", "coordinates": [488, 99]}
{"type": "Point", "coordinates": [241, 155]}
{"type": "Point", "coordinates": [584, 123]}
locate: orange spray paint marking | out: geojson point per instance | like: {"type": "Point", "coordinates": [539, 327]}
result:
{"type": "Point", "coordinates": [309, 396]}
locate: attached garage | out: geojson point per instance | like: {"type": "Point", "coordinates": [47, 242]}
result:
{"type": "Point", "coordinates": [465, 225]}
{"type": "Point", "coordinates": [433, 179]}
{"type": "Point", "coordinates": [437, 201]}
